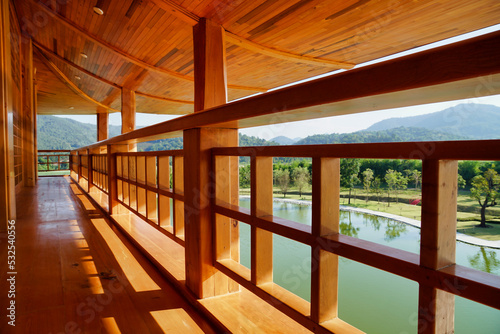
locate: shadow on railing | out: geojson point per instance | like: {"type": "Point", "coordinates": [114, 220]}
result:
{"type": "Point", "coordinates": [53, 162]}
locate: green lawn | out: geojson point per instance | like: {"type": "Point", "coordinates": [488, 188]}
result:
{"type": "Point", "coordinates": [467, 216]}
{"type": "Point", "coordinates": [54, 173]}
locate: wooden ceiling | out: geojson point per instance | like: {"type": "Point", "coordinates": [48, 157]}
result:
{"type": "Point", "coordinates": [146, 45]}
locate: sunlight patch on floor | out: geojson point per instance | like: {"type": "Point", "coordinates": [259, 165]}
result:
{"type": "Point", "coordinates": [175, 321]}
{"type": "Point", "coordinates": [137, 276]}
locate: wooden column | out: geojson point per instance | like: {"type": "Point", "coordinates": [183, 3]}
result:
{"type": "Point", "coordinates": [30, 155]}
{"type": "Point", "coordinates": [7, 178]}
{"type": "Point", "coordinates": [210, 91]}
{"type": "Point", "coordinates": [35, 112]}
{"type": "Point", "coordinates": [128, 114]}
{"type": "Point", "coordinates": [102, 124]}
{"type": "Point", "coordinates": [325, 221]}
{"type": "Point", "coordinates": [438, 240]}
{"type": "Point", "coordinates": [128, 110]}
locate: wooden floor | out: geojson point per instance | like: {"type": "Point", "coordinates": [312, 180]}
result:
{"type": "Point", "coordinates": [77, 274]}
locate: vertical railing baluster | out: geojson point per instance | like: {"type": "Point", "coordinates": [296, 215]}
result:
{"type": "Point", "coordinates": [261, 205]}
{"type": "Point", "coordinates": [178, 206]}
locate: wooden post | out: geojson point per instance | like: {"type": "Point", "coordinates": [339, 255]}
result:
{"type": "Point", "coordinates": [325, 221]}
{"type": "Point", "coordinates": [261, 205]}
{"type": "Point", "coordinates": [112, 173]}
{"type": "Point", "coordinates": [436, 308]}
{"type": "Point", "coordinates": [30, 155]}
{"type": "Point", "coordinates": [7, 178]}
{"type": "Point", "coordinates": [90, 175]}
{"type": "Point", "coordinates": [102, 124]}
{"type": "Point", "coordinates": [210, 90]}
{"type": "Point", "coordinates": [178, 183]}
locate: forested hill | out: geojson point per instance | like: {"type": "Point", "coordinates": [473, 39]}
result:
{"type": "Point", "coordinates": [62, 133]}
{"type": "Point", "coordinates": [176, 143]}
{"type": "Point", "coordinates": [57, 133]}
{"type": "Point", "coordinates": [480, 121]}
{"type": "Point", "coordinates": [400, 134]}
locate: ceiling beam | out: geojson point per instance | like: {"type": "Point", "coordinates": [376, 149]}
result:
{"type": "Point", "coordinates": [44, 50]}
{"type": "Point", "coordinates": [192, 19]}
{"type": "Point", "coordinates": [258, 48]}
{"type": "Point", "coordinates": [68, 24]}
{"type": "Point", "coordinates": [68, 82]}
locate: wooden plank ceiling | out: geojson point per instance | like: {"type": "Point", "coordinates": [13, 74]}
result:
{"type": "Point", "coordinates": [146, 45]}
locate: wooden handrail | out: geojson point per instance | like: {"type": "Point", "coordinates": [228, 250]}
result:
{"type": "Point", "coordinates": [390, 84]}
{"type": "Point", "coordinates": [443, 150]}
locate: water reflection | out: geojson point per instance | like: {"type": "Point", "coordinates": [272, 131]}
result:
{"type": "Point", "coordinates": [346, 226]}
{"type": "Point", "coordinates": [485, 260]}
{"type": "Point", "coordinates": [394, 230]}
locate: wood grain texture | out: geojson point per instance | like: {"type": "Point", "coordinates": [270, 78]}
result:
{"type": "Point", "coordinates": [445, 76]}
{"type": "Point", "coordinates": [438, 241]}
{"type": "Point", "coordinates": [325, 221]}
{"type": "Point", "coordinates": [88, 272]}
{"type": "Point", "coordinates": [102, 124]}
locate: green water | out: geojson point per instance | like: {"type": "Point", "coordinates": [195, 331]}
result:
{"type": "Point", "coordinates": [370, 299]}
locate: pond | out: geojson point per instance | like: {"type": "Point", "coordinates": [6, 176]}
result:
{"type": "Point", "coordinates": [370, 299]}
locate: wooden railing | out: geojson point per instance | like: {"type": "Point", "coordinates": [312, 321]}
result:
{"type": "Point", "coordinates": [147, 182]}
{"type": "Point", "coordinates": [434, 268]}
{"type": "Point", "coordinates": [209, 229]}
{"type": "Point", "coordinates": [53, 161]}
{"type": "Point", "coordinates": [150, 184]}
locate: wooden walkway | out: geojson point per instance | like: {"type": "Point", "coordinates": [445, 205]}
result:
{"type": "Point", "coordinates": [77, 274]}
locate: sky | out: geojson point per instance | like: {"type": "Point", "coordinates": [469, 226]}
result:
{"type": "Point", "coordinates": [327, 125]}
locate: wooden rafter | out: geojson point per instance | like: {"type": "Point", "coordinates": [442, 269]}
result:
{"type": "Point", "coordinates": [192, 19]}
{"type": "Point", "coordinates": [61, 19]}
{"type": "Point", "coordinates": [68, 82]}
{"type": "Point", "coordinates": [251, 46]}
{"type": "Point", "coordinates": [44, 49]}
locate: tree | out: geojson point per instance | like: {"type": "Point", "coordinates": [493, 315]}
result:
{"type": "Point", "coordinates": [395, 181]}
{"type": "Point", "coordinates": [377, 187]}
{"type": "Point", "coordinates": [282, 178]}
{"type": "Point", "coordinates": [245, 176]}
{"type": "Point", "coordinates": [468, 169]}
{"type": "Point", "coordinates": [485, 190]}
{"type": "Point", "coordinates": [401, 184]}
{"type": "Point", "coordinates": [367, 180]}
{"type": "Point", "coordinates": [416, 176]}
{"type": "Point", "coordinates": [300, 176]}
{"type": "Point", "coordinates": [349, 170]}
{"type": "Point", "coordinates": [391, 179]}
{"type": "Point", "coordinates": [461, 182]}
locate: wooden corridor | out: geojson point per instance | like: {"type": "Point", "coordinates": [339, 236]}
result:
{"type": "Point", "coordinates": [78, 274]}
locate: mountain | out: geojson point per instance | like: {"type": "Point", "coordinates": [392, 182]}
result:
{"type": "Point", "coordinates": [176, 143]}
{"type": "Point", "coordinates": [400, 134]}
{"type": "Point", "coordinates": [57, 133]}
{"type": "Point", "coordinates": [479, 121]}
{"type": "Point", "coordinates": [282, 140]}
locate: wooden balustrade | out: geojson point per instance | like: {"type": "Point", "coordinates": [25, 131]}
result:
{"type": "Point", "coordinates": [434, 269]}
{"type": "Point", "coordinates": [53, 160]}
{"type": "Point", "coordinates": [150, 184]}
{"type": "Point", "coordinates": [147, 182]}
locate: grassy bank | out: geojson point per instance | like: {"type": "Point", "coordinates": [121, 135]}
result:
{"type": "Point", "coordinates": [467, 216]}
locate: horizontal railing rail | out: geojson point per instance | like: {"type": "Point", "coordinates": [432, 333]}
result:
{"type": "Point", "coordinates": [53, 161]}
